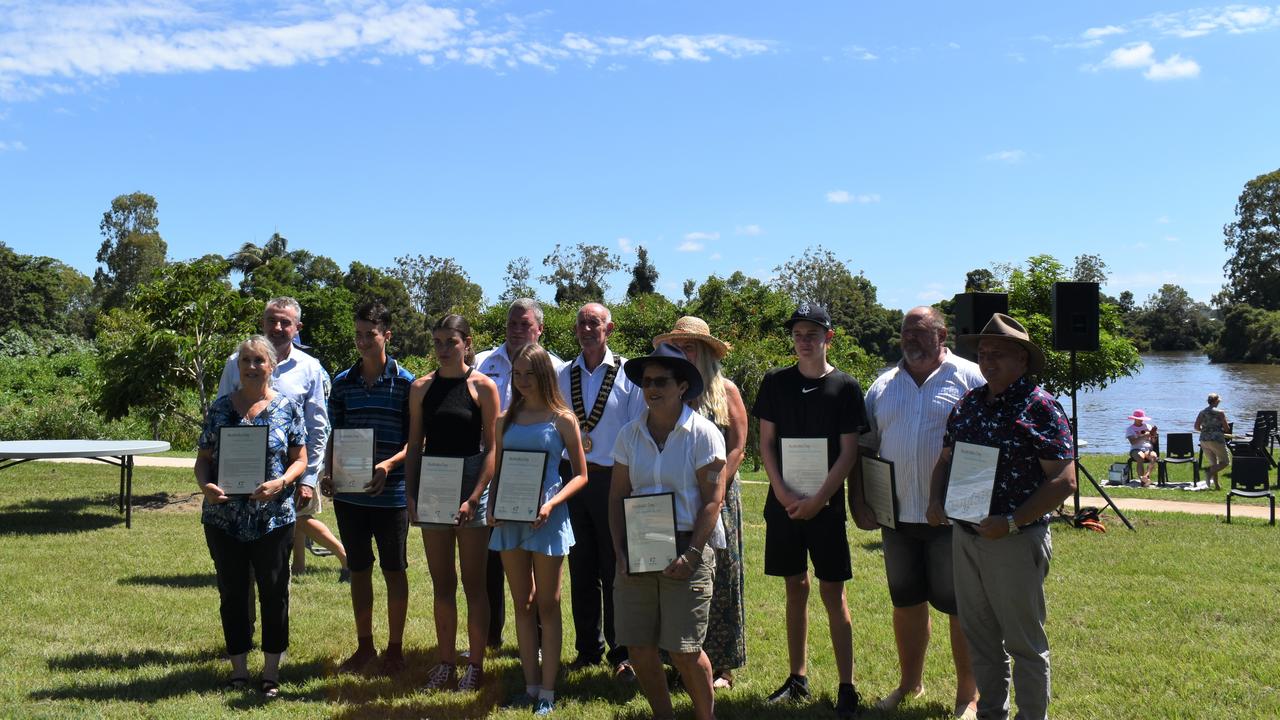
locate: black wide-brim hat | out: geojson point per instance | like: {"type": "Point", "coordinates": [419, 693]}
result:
{"type": "Point", "coordinates": [668, 356]}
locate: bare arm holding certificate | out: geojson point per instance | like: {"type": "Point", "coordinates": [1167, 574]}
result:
{"type": "Point", "coordinates": [879, 490]}
{"type": "Point", "coordinates": [519, 492]}
{"type": "Point", "coordinates": [242, 458]}
{"type": "Point", "coordinates": [352, 459]}
{"type": "Point", "coordinates": [804, 464]}
{"type": "Point", "coordinates": [971, 482]}
{"type": "Point", "coordinates": [651, 532]}
{"type": "Point", "coordinates": [439, 489]}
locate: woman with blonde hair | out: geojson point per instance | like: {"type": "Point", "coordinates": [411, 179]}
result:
{"type": "Point", "coordinates": [721, 403]}
{"type": "Point", "coordinates": [533, 553]}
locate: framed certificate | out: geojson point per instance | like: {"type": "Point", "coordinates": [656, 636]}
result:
{"type": "Point", "coordinates": [804, 464]}
{"type": "Point", "coordinates": [242, 458]}
{"type": "Point", "coordinates": [439, 489]}
{"type": "Point", "coordinates": [651, 532]}
{"type": "Point", "coordinates": [971, 481]}
{"type": "Point", "coordinates": [518, 494]}
{"type": "Point", "coordinates": [880, 489]}
{"type": "Point", "coordinates": [352, 459]}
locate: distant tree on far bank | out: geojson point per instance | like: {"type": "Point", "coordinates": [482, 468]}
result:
{"type": "Point", "coordinates": [819, 276]}
{"type": "Point", "coordinates": [132, 249]}
{"type": "Point", "coordinates": [1171, 320]}
{"type": "Point", "coordinates": [578, 274]}
{"type": "Point", "coordinates": [1253, 239]}
{"type": "Point", "coordinates": [41, 293]}
{"type": "Point", "coordinates": [644, 276]}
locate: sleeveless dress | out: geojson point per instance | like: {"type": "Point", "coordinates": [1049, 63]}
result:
{"type": "Point", "coordinates": [1211, 427]}
{"type": "Point", "coordinates": [726, 642]}
{"type": "Point", "coordinates": [556, 536]}
{"type": "Point", "coordinates": [451, 427]}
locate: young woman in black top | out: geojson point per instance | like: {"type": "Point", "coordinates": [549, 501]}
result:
{"type": "Point", "coordinates": [453, 413]}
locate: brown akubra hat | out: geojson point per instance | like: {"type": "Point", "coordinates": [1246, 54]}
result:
{"type": "Point", "coordinates": [1004, 327]}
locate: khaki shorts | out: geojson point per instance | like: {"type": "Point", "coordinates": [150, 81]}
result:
{"type": "Point", "coordinates": [307, 509]}
{"type": "Point", "coordinates": [651, 609]}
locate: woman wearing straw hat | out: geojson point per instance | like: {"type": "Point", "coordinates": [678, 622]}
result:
{"type": "Point", "coordinates": [721, 403]}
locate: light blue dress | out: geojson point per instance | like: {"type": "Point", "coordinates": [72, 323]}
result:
{"type": "Point", "coordinates": [556, 536]}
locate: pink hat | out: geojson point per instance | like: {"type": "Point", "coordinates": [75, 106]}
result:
{"type": "Point", "coordinates": [1139, 415]}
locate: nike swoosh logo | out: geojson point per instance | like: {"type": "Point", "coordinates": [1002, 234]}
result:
{"type": "Point", "coordinates": [807, 390]}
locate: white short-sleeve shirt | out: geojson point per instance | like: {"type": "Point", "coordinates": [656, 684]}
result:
{"type": "Point", "coordinates": [693, 443]}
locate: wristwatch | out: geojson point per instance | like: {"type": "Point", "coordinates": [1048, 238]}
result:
{"type": "Point", "coordinates": [1013, 526]}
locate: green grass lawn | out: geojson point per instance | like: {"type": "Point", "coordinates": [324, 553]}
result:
{"type": "Point", "coordinates": [1176, 620]}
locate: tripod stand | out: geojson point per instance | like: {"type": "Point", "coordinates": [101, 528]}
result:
{"type": "Point", "coordinates": [1075, 445]}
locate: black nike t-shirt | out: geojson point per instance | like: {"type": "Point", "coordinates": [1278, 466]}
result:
{"type": "Point", "coordinates": [801, 407]}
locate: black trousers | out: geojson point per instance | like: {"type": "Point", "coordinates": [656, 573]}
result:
{"type": "Point", "coordinates": [591, 567]}
{"type": "Point", "coordinates": [495, 584]}
{"type": "Point", "coordinates": [238, 565]}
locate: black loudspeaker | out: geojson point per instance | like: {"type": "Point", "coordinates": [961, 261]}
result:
{"type": "Point", "coordinates": [1075, 316]}
{"type": "Point", "coordinates": [973, 310]}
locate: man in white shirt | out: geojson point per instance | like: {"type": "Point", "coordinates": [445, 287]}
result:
{"type": "Point", "coordinates": [604, 400]}
{"type": "Point", "coordinates": [524, 326]}
{"type": "Point", "coordinates": [907, 409]}
{"type": "Point", "coordinates": [303, 379]}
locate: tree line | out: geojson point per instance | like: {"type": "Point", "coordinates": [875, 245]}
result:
{"type": "Point", "coordinates": [143, 341]}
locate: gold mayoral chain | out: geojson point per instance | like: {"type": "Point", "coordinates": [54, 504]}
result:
{"type": "Point", "coordinates": [575, 389]}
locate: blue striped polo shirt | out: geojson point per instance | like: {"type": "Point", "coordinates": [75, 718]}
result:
{"type": "Point", "coordinates": [384, 407]}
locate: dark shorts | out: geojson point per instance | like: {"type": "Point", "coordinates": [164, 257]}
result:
{"type": "Point", "coordinates": [790, 544]}
{"type": "Point", "coordinates": [361, 526]}
{"type": "Point", "coordinates": [917, 561]}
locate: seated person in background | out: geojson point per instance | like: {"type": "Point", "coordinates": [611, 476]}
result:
{"type": "Point", "coordinates": [1142, 438]}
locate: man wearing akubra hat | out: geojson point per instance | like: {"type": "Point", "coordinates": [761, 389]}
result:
{"type": "Point", "coordinates": [812, 408]}
{"type": "Point", "coordinates": [1000, 563]}
{"type": "Point", "coordinates": [669, 449]}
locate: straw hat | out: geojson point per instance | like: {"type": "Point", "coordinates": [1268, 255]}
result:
{"type": "Point", "coordinates": [1004, 327]}
{"type": "Point", "coordinates": [694, 328]}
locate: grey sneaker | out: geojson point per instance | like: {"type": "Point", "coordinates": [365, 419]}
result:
{"type": "Point", "coordinates": [471, 678]}
{"type": "Point", "coordinates": [794, 689]}
{"type": "Point", "coordinates": [441, 676]}
{"type": "Point", "coordinates": [544, 707]}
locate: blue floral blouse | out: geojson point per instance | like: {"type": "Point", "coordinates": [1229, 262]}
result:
{"type": "Point", "coordinates": [240, 517]}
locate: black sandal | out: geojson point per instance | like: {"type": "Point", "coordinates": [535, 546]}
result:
{"type": "Point", "coordinates": [236, 683]}
{"type": "Point", "coordinates": [270, 689]}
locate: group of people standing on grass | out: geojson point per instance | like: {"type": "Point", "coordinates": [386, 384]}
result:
{"type": "Point", "coordinates": [666, 422]}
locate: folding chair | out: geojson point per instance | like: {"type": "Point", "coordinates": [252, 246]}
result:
{"type": "Point", "coordinates": [1180, 450]}
{"type": "Point", "coordinates": [1257, 444]}
{"type": "Point", "coordinates": [1250, 478]}
{"type": "Point", "coordinates": [1129, 473]}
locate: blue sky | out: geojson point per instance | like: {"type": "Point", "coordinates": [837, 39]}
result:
{"type": "Point", "coordinates": [916, 140]}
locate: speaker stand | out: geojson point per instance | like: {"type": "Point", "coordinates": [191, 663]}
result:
{"type": "Point", "coordinates": [1075, 451]}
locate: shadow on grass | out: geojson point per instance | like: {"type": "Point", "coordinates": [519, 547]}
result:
{"type": "Point", "coordinates": [189, 580]}
{"type": "Point", "coordinates": [59, 517]}
{"type": "Point", "coordinates": [872, 545]}
{"type": "Point", "coordinates": [128, 660]}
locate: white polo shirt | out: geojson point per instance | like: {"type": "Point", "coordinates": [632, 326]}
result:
{"type": "Point", "coordinates": [496, 363]}
{"type": "Point", "coordinates": [907, 423]}
{"type": "Point", "coordinates": [625, 403]}
{"type": "Point", "coordinates": [693, 443]}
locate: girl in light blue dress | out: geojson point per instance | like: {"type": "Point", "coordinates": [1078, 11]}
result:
{"type": "Point", "coordinates": [533, 553]}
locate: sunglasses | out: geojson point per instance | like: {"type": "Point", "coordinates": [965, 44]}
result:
{"type": "Point", "coordinates": [656, 382]}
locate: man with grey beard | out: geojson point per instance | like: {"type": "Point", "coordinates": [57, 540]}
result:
{"type": "Point", "coordinates": [907, 409]}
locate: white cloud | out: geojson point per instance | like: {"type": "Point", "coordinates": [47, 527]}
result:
{"type": "Point", "coordinates": [698, 236]}
{"type": "Point", "coordinates": [1163, 219]}
{"type": "Point", "coordinates": [44, 44]}
{"type": "Point", "coordinates": [1132, 56]}
{"type": "Point", "coordinates": [1009, 157]}
{"type": "Point", "coordinates": [1171, 239]}
{"type": "Point", "coordinates": [1143, 56]}
{"type": "Point", "coordinates": [1173, 68]}
{"type": "Point", "coordinates": [626, 246]}
{"type": "Point", "coordinates": [1231, 19]}
{"type": "Point", "coordinates": [12, 146]}
{"type": "Point", "coordinates": [715, 256]}
{"type": "Point", "coordinates": [1098, 33]}
{"type": "Point", "coordinates": [844, 197]}
{"type": "Point", "coordinates": [751, 230]}
{"type": "Point", "coordinates": [690, 246]}
{"type": "Point", "coordinates": [931, 293]}
{"type": "Point", "coordinates": [857, 52]}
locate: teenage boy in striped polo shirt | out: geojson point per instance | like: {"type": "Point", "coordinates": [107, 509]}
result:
{"type": "Point", "coordinates": [374, 394]}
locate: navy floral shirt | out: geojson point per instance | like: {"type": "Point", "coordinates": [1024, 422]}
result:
{"type": "Point", "coordinates": [240, 517]}
{"type": "Point", "coordinates": [1028, 426]}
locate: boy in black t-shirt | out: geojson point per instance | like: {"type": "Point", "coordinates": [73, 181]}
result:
{"type": "Point", "coordinates": [813, 401]}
